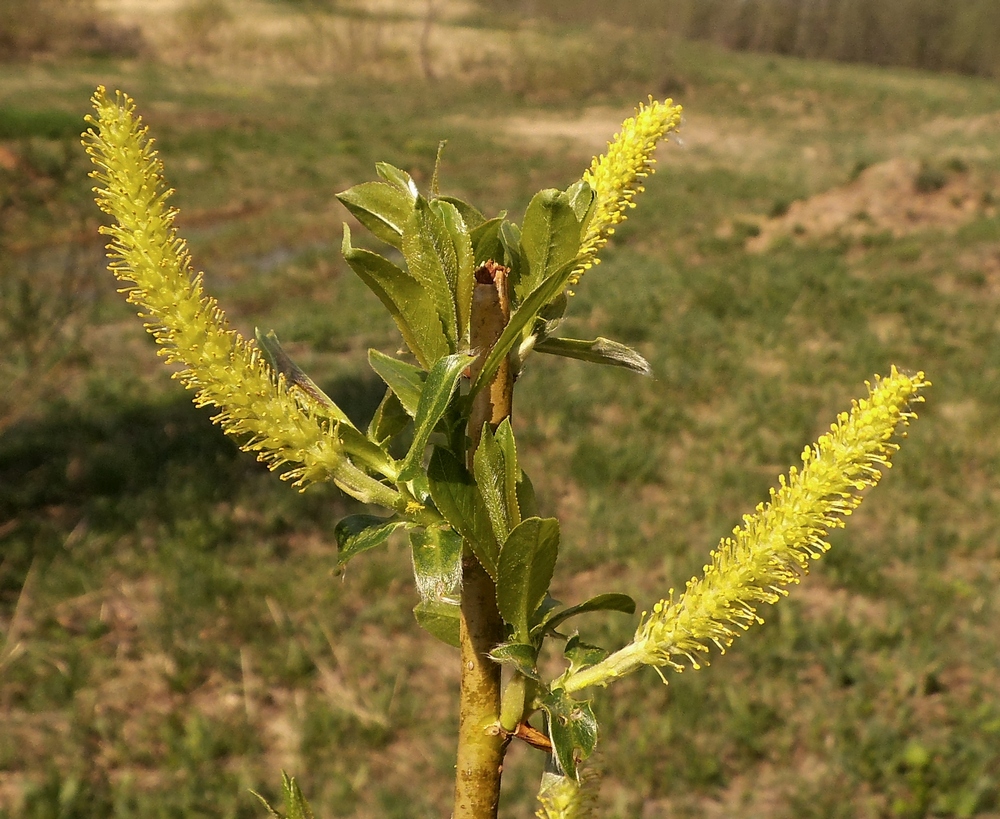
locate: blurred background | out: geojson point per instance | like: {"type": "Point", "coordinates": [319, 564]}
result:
{"type": "Point", "coordinates": [172, 629]}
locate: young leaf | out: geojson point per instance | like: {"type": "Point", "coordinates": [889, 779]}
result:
{"type": "Point", "coordinates": [440, 619]}
{"type": "Point", "coordinates": [359, 533]}
{"type": "Point", "coordinates": [602, 602]}
{"type": "Point", "coordinates": [437, 563]}
{"type": "Point", "coordinates": [456, 497]}
{"type": "Point", "coordinates": [397, 178]}
{"type": "Point", "coordinates": [431, 260]}
{"type": "Point", "coordinates": [441, 382]}
{"type": "Point", "coordinates": [553, 312]}
{"type": "Point", "coordinates": [293, 374]}
{"type": "Point", "coordinates": [510, 240]}
{"type": "Point", "coordinates": [520, 656]}
{"type": "Point", "coordinates": [389, 420]}
{"type": "Point", "coordinates": [490, 473]}
{"type": "Point", "coordinates": [382, 208]}
{"type": "Point", "coordinates": [437, 569]}
{"type": "Point", "coordinates": [470, 215]}
{"type": "Point", "coordinates": [598, 351]}
{"type": "Point", "coordinates": [572, 729]}
{"type": "Point", "coordinates": [364, 450]}
{"type": "Point", "coordinates": [405, 380]}
{"type": "Point", "coordinates": [296, 806]}
{"type": "Point", "coordinates": [512, 471]}
{"type": "Point", "coordinates": [526, 503]}
{"type": "Point", "coordinates": [411, 305]}
{"type": "Point", "coordinates": [550, 237]}
{"type": "Point", "coordinates": [581, 654]}
{"type": "Point", "coordinates": [524, 571]}
{"type": "Point", "coordinates": [581, 198]}
{"type": "Point", "coordinates": [464, 260]}
{"type": "Point", "coordinates": [486, 241]}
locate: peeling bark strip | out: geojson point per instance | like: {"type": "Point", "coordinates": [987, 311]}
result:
{"type": "Point", "coordinates": [481, 744]}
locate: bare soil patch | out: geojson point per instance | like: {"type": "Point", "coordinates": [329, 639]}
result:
{"type": "Point", "coordinates": [896, 197]}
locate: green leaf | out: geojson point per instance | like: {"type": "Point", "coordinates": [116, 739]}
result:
{"type": "Point", "coordinates": [441, 383]}
{"type": "Point", "coordinates": [510, 240]}
{"type": "Point", "coordinates": [581, 198]}
{"type": "Point", "coordinates": [521, 656]}
{"type": "Point", "coordinates": [488, 469]}
{"type": "Point", "coordinates": [553, 312]}
{"type": "Point", "coordinates": [437, 563]}
{"type": "Point", "coordinates": [411, 306]}
{"type": "Point", "coordinates": [363, 449]}
{"type": "Point", "coordinates": [470, 215]}
{"type": "Point", "coordinates": [598, 351]}
{"type": "Point", "coordinates": [524, 571]}
{"type": "Point", "coordinates": [359, 533]}
{"type": "Point", "coordinates": [486, 241]}
{"type": "Point", "coordinates": [611, 601]}
{"type": "Point", "coordinates": [296, 806]}
{"type": "Point", "coordinates": [572, 729]}
{"type": "Point", "coordinates": [526, 503]}
{"type": "Point", "coordinates": [550, 237]}
{"type": "Point", "coordinates": [282, 363]}
{"type": "Point", "coordinates": [431, 260]}
{"type": "Point", "coordinates": [440, 619]}
{"type": "Point", "coordinates": [523, 316]}
{"type": "Point", "coordinates": [421, 489]}
{"type": "Point", "coordinates": [456, 497]}
{"type": "Point", "coordinates": [512, 471]}
{"type": "Point", "coordinates": [397, 178]}
{"type": "Point", "coordinates": [582, 655]}
{"type": "Point", "coordinates": [405, 380]}
{"type": "Point", "coordinates": [382, 208]}
{"type": "Point", "coordinates": [389, 420]}
{"type": "Point", "coordinates": [465, 266]}
{"type": "Point", "coordinates": [267, 805]}
{"type": "Point", "coordinates": [544, 611]}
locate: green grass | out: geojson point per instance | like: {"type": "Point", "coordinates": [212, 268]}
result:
{"type": "Point", "coordinates": [185, 635]}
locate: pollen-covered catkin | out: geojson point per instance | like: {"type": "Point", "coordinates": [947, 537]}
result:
{"type": "Point", "coordinates": [226, 370]}
{"type": "Point", "coordinates": [616, 176]}
{"type": "Point", "coordinates": [772, 548]}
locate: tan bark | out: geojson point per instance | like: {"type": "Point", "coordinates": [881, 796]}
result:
{"type": "Point", "coordinates": [481, 744]}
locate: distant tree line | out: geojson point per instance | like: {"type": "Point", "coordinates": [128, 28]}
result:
{"type": "Point", "coordinates": [942, 35]}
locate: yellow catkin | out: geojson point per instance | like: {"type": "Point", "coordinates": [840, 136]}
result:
{"type": "Point", "coordinates": [226, 370]}
{"type": "Point", "coordinates": [773, 547]}
{"type": "Point", "coordinates": [616, 176]}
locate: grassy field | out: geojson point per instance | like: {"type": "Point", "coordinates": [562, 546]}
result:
{"type": "Point", "coordinates": [172, 632]}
